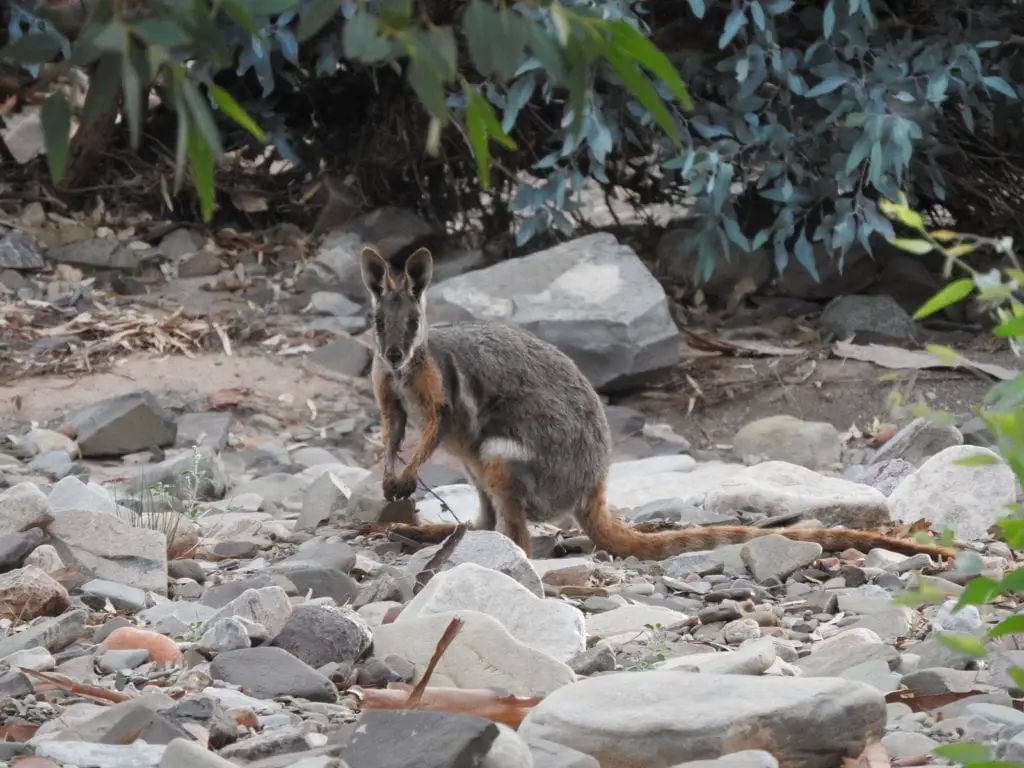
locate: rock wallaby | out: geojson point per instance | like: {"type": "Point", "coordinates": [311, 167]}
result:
{"type": "Point", "coordinates": [526, 424]}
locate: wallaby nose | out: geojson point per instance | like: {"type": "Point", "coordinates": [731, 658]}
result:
{"type": "Point", "coordinates": [393, 354]}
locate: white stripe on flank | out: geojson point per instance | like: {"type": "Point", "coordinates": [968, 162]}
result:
{"type": "Point", "coordinates": [504, 448]}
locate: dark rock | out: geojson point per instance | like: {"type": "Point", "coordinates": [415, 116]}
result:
{"type": "Point", "coordinates": [399, 739]}
{"type": "Point", "coordinates": [123, 424]}
{"type": "Point", "coordinates": [268, 672]}
{"type": "Point", "coordinates": [320, 634]}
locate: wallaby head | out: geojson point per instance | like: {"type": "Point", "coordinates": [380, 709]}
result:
{"type": "Point", "coordinates": [399, 304]}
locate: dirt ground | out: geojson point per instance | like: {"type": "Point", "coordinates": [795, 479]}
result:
{"type": "Point", "coordinates": [733, 391]}
{"type": "Point", "coordinates": [842, 392]}
{"type": "Point", "coordinates": [281, 387]}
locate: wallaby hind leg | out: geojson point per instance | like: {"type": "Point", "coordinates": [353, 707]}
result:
{"type": "Point", "coordinates": [507, 504]}
{"type": "Point", "coordinates": [487, 520]}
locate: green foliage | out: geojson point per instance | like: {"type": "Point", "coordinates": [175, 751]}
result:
{"type": "Point", "coordinates": [181, 49]}
{"type": "Point", "coordinates": [815, 111]}
{"type": "Point", "coordinates": [1003, 415]}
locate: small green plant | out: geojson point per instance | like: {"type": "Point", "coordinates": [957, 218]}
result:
{"type": "Point", "coordinates": [162, 506]}
{"type": "Point", "coordinates": [655, 653]}
{"type": "Point", "coordinates": [998, 292]}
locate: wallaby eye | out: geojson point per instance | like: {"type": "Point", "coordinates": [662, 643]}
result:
{"type": "Point", "coordinates": [378, 323]}
{"type": "Point", "coordinates": [414, 326]}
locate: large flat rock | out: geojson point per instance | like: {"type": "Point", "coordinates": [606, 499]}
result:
{"type": "Point", "coordinates": [591, 297]}
{"type": "Point", "coordinates": [660, 718]}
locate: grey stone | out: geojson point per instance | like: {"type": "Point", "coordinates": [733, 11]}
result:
{"type": "Point", "coordinates": [592, 297]}
{"type": "Point", "coordinates": [121, 596]}
{"type": "Point", "coordinates": [326, 495]}
{"type": "Point", "coordinates": [54, 634]}
{"type": "Point", "coordinates": [206, 428]}
{"type": "Point", "coordinates": [775, 556]}
{"type": "Point", "coordinates": [98, 252]}
{"type": "Point", "coordinates": [324, 582]}
{"type": "Point", "coordinates": [106, 547]}
{"type": "Point", "coordinates": [490, 549]}
{"type": "Point", "coordinates": [271, 743]}
{"type": "Point", "coordinates": [269, 672]}
{"type": "Point", "coordinates": [321, 552]}
{"type": "Point", "coordinates": [660, 718]}
{"type": "Point", "coordinates": [15, 547]}
{"type": "Point", "coordinates": [320, 634]}
{"type": "Point", "coordinates": [186, 753]}
{"type": "Point", "coordinates": [399, 739]}
{"type": "Point", "coordinates": [811, 444]}
{"type": "Point", "coordinates": [134, 421]}
{"type": "Point", "coordinates": [830, 662]}
{"type": "Point", "coordinates": [19, 251]}
{"type": "Point", "coordinates": [884, 476]}
{"type": "Point", "coordinates": [549, 754]}
{"type": "Point", "coordinates": [867, 320]}
{"type": "Point", "coordinates": [345, 355]}
{"type": "Point", "coordinates": [86, 755]}
{"type": "Point", "coordinates": [917, 441]}
{"type": "Point", "coordinates": [680, 260]}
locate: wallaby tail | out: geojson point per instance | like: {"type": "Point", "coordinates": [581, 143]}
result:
{"type": "Point", "coordinates": [617, 538]}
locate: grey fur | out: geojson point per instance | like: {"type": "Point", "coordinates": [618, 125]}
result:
{"type": "Point", "coordinates": [499, 381]}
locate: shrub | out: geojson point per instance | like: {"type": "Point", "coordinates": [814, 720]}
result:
{"type": "Point", "coordinates": [1003, 414]}
{"type": "Point", "coordinates": [804, 115]}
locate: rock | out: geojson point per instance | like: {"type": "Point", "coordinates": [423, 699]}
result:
{"type": "Point", "coordinates": [867, 320]}
{"type": "Point", "coordinates": [487, 548]}
{"type": "Point", "coordinates": [186, 753]}
{"type": "Point", "coordinates": [776, 557]}
{"type": "Point", "coordinates": [15, 547]}
{"type": "Point", "coordinates": [403, 738]}
{"type": "Point", "coordinates": [548, 754]}
{"type": "Point", "coordinates": [778, 488]}
{"type": "Point", "coordinates": [54, 634]}
{"type": "Point", "coordinates": [71, 493]}
{"type": "Point", "coordinates": [320, 634]}
{"type": "Point", "coordinates": [202, 264]}
{"type": "Point", "coordinates": [270, 672]}
{"type": "Point", "coordinates": [324, 496]}
{"type": "Point", "coordinates": [20, 506]}
{"type": "Point", "coordinates": [811, 444]}
{"type": "Point", "coordinates": [858, 273]}
{"type": "Point", "coordinates": [344, 355]}
{"type": "Point", "coordinates": [482, 655]}
{"type": "Point", "coordinates": [122, 424]}
{"type": "Point", "coordinates": [967, 499]}
{"type": "Point", "coordinates": [747, 758]}
{"type": "Point", "coordinates": [884, 476]}
{"type": "Point", "coordinates": [267, 606]}
{"type": "Point", "coordinates": [324, 582]}
{"type": "Point", "coordinates": [81, 753]}
{"type": "Point", "coordinates": [750, 659]}
{"type": "Point", "coordinates": [680, 260]}
{"type": "Point", "coordinates": [227, 634]}
{"type": "Point", "coordinates": [918, 441]}
{"type": "Point", "coordinates": [98, 253]}
{"type": "Point", "coordinates": [632, 618]}
{"type": "Point", "coordinates": [551, 626]}
{"type": "Point", "coordinates": [660, 718]}
{"type": "Point", "coordinates": [210, 428]}
{"type": "Point", "coordinates": [19, 251]}
{"type": "Point", "coordinates": [592, 297]}
{"type": "Point", "coordinates": [27, 593]}
{"type": "Point", "coordinates": [111, 549]}
{"type": "Point", "coordinates": [121, 596]}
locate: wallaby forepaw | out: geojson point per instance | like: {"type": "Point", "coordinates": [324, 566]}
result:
{"type": "Point", "coordinates": [399, 488]}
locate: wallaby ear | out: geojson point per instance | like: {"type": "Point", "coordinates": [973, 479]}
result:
{"type": "Point", "coordinates": [374, 271]}
{"type": "Point", "coordinates": [418, 271]}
